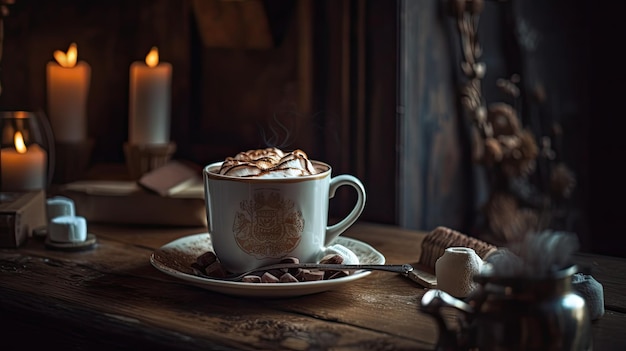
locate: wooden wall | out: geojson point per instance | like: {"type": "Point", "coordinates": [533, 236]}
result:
{"type": "Point", "coordinates": [110, 36]}
{"type": "Point", "coordinates": [565, 48]}
{"type": "Point", "coordinates": [324, 82]}
{"type": "Point", "coordinates": [328, 83]}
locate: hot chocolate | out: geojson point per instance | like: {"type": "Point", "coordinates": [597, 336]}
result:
{"type": "Point", "coordinates": [264, 205]}
{"type": "Point", "coordinates": [268, 163]}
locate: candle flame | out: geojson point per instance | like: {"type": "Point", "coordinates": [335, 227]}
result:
{"type": "Point", "coordinates": [18, 139]}
{"type": "Point", "coordinates": [67, 60]}
{"type": "Point", "coordinates": [152, 59]}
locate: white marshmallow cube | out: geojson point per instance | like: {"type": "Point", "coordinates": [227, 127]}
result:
{"type": "Point", "coordinates": [349, 257]}
{"type": "Point", "coordinates": [67, 229]}
{"type": "Point", "coordinates": [59, 206]}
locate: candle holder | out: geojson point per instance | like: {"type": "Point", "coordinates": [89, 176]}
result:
{"type": "Point", "coordinates": [72, 160]}
{"type": "Point", "coordinates": [142, 158]}
{"type": "Point", "coordinates": [27, 156]}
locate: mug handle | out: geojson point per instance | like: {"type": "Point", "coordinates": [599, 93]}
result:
{"type": "Point", "coordinates": [334, 230]}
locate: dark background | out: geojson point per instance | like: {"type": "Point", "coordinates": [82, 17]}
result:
{"type": "Point", "coordinates": [327, 83]}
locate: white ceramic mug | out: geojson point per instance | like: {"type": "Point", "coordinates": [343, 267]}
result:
{"type": "Point", "coordinates": [258, 221]}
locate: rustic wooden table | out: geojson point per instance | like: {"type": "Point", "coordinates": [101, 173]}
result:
{"type": "Point", "coordinates": [112, 298]}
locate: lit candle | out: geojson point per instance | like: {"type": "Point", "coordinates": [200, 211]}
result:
{"type": "Point", "coordinates": [68, 88]}
{"type": "Point", "coordinates": [23, 168]}
{"type": "Point", "coordinates": [149, 105]}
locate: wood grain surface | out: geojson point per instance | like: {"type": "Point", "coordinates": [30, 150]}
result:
{"type": "Point", "coordinates": [110, 297]}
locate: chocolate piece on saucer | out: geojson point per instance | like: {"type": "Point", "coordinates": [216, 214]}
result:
{"type": "Point", "coordinates": [88, 244]}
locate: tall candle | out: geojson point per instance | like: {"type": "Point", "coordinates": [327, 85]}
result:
{"type": "Point", "coordinates": [149, 101]}
{"type": "Point", "coordinates": [23, 168]}
{"type": "Point", "coordinates": [68, 87]}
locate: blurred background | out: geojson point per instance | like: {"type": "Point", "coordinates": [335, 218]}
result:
{"type": "Point", "coordinates": [372, 87]}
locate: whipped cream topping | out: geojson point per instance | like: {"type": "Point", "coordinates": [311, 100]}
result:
{"type": "Point", "coordinates": [268, 163]}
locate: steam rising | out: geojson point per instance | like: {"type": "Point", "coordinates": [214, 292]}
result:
{"type": "Point", "coordinates": [278, 136]}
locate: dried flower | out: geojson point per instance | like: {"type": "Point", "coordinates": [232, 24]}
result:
{"type": "Point", "coordinates": [508, 222]}
{"type": "Point", "coordinates": [503, 118]}
{"type": "Point", "coordinates": [562, 181]}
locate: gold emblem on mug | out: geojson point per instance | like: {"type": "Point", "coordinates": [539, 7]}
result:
{"type": "Point", "coordinates": [268, 225]}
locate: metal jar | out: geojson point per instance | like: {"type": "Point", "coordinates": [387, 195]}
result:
{"type": "Point", "coordinates": [515, 313]}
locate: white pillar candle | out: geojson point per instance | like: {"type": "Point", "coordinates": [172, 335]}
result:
{"type": "Point", "coordinates": [23, 168]}
{"type": "Point", "coordinates": [68, 88]}
{"type": "Point", "coordinates": [149, 101]}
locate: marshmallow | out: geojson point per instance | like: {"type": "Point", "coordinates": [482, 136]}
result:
{"type": "Point", "coordinates": [67, 229]}
{"type": "Point", "coordinates": [593, 293]}
{"type": "Point", "coordinates": [59, 206]}
{"type": "Point", "coordinates": [455, 271]}
{"type": "Point", "coordinates": [349, 257]}
{"type": "Point", "coordinates": [268, 163]}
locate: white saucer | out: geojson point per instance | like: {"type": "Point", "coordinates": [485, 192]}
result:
{"type": "Point", "coordinates": [176, 257]}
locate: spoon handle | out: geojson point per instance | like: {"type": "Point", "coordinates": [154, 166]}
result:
{"type": "Point", "coordinates": [397, 268]}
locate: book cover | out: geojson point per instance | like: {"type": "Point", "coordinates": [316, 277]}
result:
{"type": "Point", "coordinates": [20, 213]}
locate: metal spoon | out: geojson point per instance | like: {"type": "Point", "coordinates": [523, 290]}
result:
{"type": "Point", "coordinates": [404, 269]}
